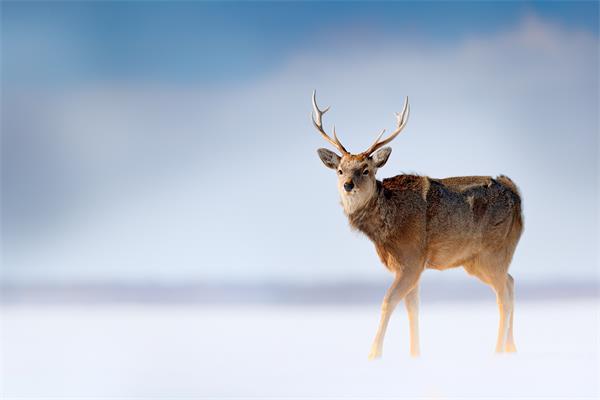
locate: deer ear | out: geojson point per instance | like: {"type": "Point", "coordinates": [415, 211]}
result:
{"type": "Point", "coordinates": [381, 156]}
{"type": "Point", "coordinates": [329, 158]}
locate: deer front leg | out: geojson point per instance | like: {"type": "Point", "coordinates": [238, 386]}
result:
{"type": "Point", "coordinates": [411, 301]}
{"type": "Point", "coordinates": [403, 283]}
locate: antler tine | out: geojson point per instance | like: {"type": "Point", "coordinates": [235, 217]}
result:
{"type": "Point", "coordinates": [336, 138]}
{"type": "Point", "coordinates": [402, 118]}
{"type": "Point", "coordinates": [369, 150]}
{"type": "Point", "coordinates": [317, 116]}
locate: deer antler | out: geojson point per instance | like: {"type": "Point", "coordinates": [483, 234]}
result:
{"type": "Point", "coordinates": [402, 118]}
{"type": "Point", "coordinates": [318, 123]}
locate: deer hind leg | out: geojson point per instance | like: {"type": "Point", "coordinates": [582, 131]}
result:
{"type": "Point", "coordinates": [495, 275]}
{"type": "Point", "coordinates": [404, 282]}
{"type": "Point", "coordinates": [510, 341]}
{"type": "Point", "coordinates": [411, 301]}
{"type": "Point", "coordinates": [505, 308]}
{"type": "Point", "coordinates": [505, 294]}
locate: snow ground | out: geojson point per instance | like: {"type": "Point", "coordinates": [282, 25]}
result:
{"type": "Point", "coordinates": [174, 351]}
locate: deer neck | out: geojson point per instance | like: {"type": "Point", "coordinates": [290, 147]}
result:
{"type": "Point", "coordinates": [366, 218]}
{"type": "Point", "coordinates": [359, 203]}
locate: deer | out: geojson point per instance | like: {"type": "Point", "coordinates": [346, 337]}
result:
{"type": "Point", "coordinates": [416, 222]}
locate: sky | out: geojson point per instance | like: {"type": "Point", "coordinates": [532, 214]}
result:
{"type": "Point", "coordinates": [171, 142]}
{"type": "Point", "coordinates": [199, 43]}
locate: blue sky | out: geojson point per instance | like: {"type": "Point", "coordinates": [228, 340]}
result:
{"type": "Point", "coordinates": [183, 42]}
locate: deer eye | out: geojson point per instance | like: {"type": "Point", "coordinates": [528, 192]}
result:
{"type": "Point", "coordinates": [366, 172]}
{"type": "Point", "coordinates": [339, 171]}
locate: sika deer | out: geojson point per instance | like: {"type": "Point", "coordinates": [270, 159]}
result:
{"type": "Point", "coordinates": [417, 222]}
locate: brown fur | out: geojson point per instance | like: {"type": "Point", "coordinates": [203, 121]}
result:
{"type": "Point", "coordinates": [459, 218]}
{"type": "Point", "coordinates": [416, 222]}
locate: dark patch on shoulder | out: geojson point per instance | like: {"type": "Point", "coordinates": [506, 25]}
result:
{"type": "Point", "coordinates": [436, 189]}
{"type": "Point", "coordinates": [434, 197]}
{"type": "Point", "coordinates": [403, 182]}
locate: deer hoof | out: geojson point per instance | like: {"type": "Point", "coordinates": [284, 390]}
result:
{"type": "Point", "coordinates": [510, 348]}
{"type": "Point", "coordinates": [374, 354]}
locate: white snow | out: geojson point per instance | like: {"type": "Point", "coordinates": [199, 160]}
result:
{"type": "Point", "coordinates": [171, 351]}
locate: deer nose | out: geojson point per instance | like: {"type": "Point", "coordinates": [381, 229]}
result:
{"type": "Point", "coordinates": [348, 186]}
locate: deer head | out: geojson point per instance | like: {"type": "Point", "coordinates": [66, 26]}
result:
{"type": "Point", "coordinates": [356, 172]}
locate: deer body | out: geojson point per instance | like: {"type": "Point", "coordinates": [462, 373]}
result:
{"type": "Point", "coordinates": [438, 221]}
{"type": "Point", "coordinates": [417, 222]}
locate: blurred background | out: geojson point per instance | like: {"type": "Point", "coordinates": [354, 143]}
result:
{"type": "Point", "coordinates": [162, 153]}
